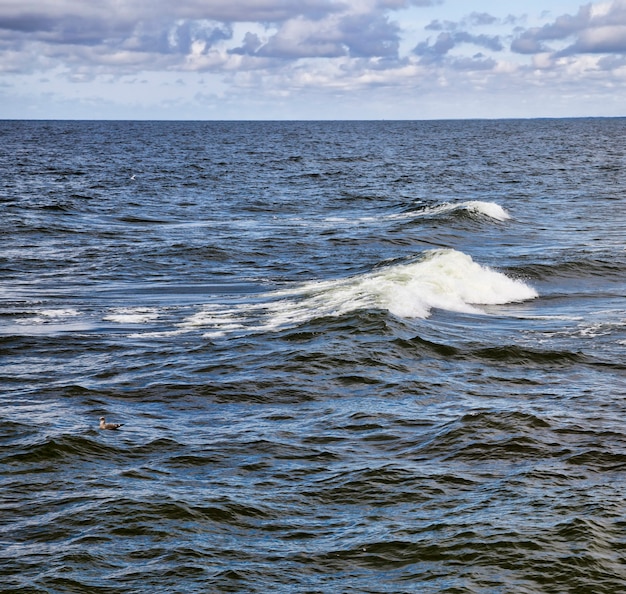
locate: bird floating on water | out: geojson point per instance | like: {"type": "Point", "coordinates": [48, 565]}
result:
{"type": "Point", "coordinates": [112, 426]}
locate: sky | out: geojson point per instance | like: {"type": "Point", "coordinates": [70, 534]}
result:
{"type": "Point", "coordinates": [311, 59]}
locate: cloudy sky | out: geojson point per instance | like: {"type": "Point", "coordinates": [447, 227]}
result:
{"type": "Point", "coordinates": [311, 59]}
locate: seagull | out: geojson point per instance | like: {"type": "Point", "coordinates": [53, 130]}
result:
{"type": "Point", "coordinates": [132, 176]}
{"type": "Point", "coordinates": [105, 425]}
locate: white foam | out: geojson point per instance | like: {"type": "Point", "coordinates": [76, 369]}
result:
{"type": "Point", "coordinates": [605, 327]}
{"type": "Point", "coordinates": [159, 334]}
{"type": "Point", "coordinates": [48, 317]}
{"type": "Point", "coordinates": [58, 313]}
{"type": "Point", "coordinates": [47, 322]}
{"type": "Point", "coordinates": [132, 315]}
{"type": "Point", "coordinates": [442, 279]}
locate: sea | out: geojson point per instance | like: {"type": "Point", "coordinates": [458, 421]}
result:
{"type": "Point", "coordinates": [347, 356]}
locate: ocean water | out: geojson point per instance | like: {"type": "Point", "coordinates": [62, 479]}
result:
{"type": "Point", "coordinates": [348, 356]}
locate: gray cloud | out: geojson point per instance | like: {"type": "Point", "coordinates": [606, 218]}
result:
{"type": "Point", "coordinates": [282, 47]}
{"type": "Point", "coordinates": [474, 19]}
{"type": "Point", "coordinates": [476, 62]}
{"type": "Point", "coordinates": [438, 25]}
{"type": "Point", "coordinates": [133, 35]}
{"type": "Point", "coordinates": [72, 29]}
{"type": "Point", "coordinates": [446, 41]}
{"type": "Point", "coordinates": [398, 4]}
{"type": "Point", "coordinates": [251, 45]}
{"type": "Point", "coordinates": [64, 30]}
{"type": "Point", "coordinates": [594, 29]}
{"type": "Point", "coordinates": [177, 38]}
{"type": "Point", "coordinates": [612, 62]}
{"type": "Point", "coordinates": [455, 33]}
{"type": "Point", "coordinates": [431, 52]}
{"type": "Point", "coordinates": [182, 35]}
{"type": "Point", "coordinates": [601, 40]}
{"type": "Point", "coordinates": [370, 35]}
{"type": "Point", "coordinates": [527, 43]}
{"type": "Point", "coordinates": [356, 35]}
{"type": "Point", "coordinates": [46, 15]}
{"type": "Point", "coordinates": [481, 18]}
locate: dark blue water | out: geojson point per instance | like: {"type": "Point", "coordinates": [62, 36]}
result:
{"type": "Point", "coordinates": [348, 356]}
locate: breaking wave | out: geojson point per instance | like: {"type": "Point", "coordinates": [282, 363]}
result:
{"type": "Point", "coordinates": [442, 279]}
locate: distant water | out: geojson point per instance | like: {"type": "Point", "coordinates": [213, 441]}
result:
{"type": "Point", "coordinates": [349, 357]}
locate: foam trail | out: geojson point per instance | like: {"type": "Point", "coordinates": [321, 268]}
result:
{"type": "Point", "coordinates": [443, 279]}
{"type": "Point", "coordinates": [130, 315]}
{"type": "Point", "coordinates": [58, 313]}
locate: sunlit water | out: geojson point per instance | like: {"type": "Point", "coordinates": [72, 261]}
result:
{"type": "Point", "coordinates": [348, 356]}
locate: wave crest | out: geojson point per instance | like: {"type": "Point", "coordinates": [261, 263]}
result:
{"type": "Point", "coordinates": [442, 279]}
{"type": "Point", "coordinates": [490, 210]}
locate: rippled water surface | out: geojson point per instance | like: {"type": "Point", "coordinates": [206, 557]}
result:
{"type": "Point", "coordinates": [347, 356]}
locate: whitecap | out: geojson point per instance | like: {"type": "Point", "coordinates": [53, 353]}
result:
{"type": "Point", "coordinates": [490, 210]}
{"type": "Point", "coordinates": [443, 279]}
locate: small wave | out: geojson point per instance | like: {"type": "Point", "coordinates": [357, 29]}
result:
{"type": "Point", "coordinates": [579, 266]}
{"type": "Point", "coordinates": [143, 220]}
{"type": "Point", "coordinates": [514, 354]}
{"type": "Point", "coordinates": [472, 208]}
{"type": "Point", "coordinates": [479, 208]}
{"type": "Point", "coordinates": [62, 447]}
{"type": "Point", "coordinates": [490, 435]}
